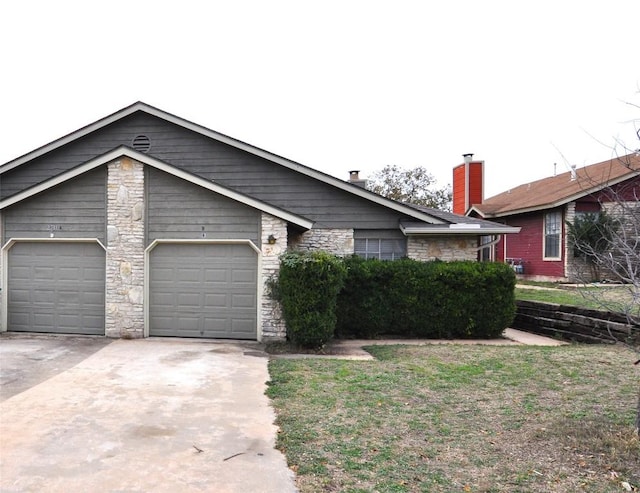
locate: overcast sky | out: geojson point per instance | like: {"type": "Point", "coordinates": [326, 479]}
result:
{"type": "Point", "coordinates": [338, 85]}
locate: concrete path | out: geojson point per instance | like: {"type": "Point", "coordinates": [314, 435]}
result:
{"type": "Point", "coordinates": [146, 416]}
{"type": "Point", "coordinates": [351, 349]}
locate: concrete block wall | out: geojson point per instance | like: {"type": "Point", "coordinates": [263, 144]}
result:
{"type": "Point", "coordinates": [446, 248]}
{"type": "Point", "coordinates": [125, 249]}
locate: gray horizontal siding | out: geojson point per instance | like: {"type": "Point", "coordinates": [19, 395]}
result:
{"type": "Point", "coordinates": [178, 209]}
{"type": "Point", "coordinates": [329, 207]}
{"type": "Point", "coordinates": [75, 209]}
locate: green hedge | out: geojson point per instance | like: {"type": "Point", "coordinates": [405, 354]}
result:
{"type": "Point", "coordinates": [307, 287]}
{"type": "Point", "coordinates": [425, 299]}
{"type": "Point", "coordinates": [321, 295]}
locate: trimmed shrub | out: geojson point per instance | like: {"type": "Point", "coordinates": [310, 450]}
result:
{"type": "Point", "coordinates": [426, 299]}
{"type": "Point", "coordinates": [361, 305]}
{"type": "Point", "coordinates": [307, 288]}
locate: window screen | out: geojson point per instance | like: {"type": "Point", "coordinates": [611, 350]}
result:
{"type": "Point", "coordinates": [381, 248]}
{"type": "Point", "coordinates": [552, 232]}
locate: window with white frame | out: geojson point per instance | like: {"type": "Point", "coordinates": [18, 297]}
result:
{"type": "Point", "coordinates": [552, 235]}
{"type": "Point", "coordinates": [380, 248]}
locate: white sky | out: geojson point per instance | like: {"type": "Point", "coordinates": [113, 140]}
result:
{"type": "Point", "coordinates": [338, 85]}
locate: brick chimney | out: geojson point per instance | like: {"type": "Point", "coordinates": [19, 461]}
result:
{"type": "Point", "coordinates": [354, 179]}
{"type": "Point", "coordinates": [468, 184]}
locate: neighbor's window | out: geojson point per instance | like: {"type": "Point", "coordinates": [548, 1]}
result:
{"type": "Point", "coordinates": [486, 254]}
{"type": "Point", "coordinates": [552, 234]}
{"type": "Point", "coordinates": [380, 248]}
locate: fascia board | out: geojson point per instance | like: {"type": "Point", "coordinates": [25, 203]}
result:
{"type": "Point", "coordinates": [417, 230]}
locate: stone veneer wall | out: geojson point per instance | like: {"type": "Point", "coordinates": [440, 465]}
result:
{"type": "Point", "coordinates": [272, 326]}
{"type": "Point", "coordinates": [336, 241]}
{"type": "Point", "coordinates": [445, 248]}
{"type": "Point", "coordinates": [125, 249]}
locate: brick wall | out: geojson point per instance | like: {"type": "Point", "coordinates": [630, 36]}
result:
{"type": "Point", "coordinates": [125, 249]}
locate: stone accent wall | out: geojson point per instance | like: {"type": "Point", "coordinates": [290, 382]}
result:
{"type": "Point", "coordinates": [271, 325]}
{"type": "Point", "coordinates": [445, 248]}
{"type": "Point", "coordinates": [125, 249]}
{"type": "Point", "coordinates": [336, 241]}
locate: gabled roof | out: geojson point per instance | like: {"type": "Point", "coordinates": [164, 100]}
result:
{"type": "Point", "coordinates": [140, 106]}
{"type": "Point", "coordinates": [560, 189]}
{"type": "Point", "coordinates": [156, 163]}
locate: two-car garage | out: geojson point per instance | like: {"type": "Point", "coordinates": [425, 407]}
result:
{"type": "Point", "coordinates": [194, 289]}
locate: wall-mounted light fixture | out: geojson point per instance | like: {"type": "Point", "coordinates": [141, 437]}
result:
{"type": "Point", "coordinates": [271, 240]}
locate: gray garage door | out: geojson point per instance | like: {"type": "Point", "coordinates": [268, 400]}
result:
{"type": "Point", "coordinates": [56, 287]}
{"type": "Point", "coordinates": [203, 290]}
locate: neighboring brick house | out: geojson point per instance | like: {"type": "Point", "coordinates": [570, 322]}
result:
{"type": "Point", "coordinates": [145, 224]}
{"type": "Point", "coordinates": [542, 209]}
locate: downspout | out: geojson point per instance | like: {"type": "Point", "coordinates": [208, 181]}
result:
{"type": "Point", "coordinates": [490, 244]}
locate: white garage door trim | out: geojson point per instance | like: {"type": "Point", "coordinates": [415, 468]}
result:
{"type": "Point", "coordinates": [155, 243]}
{"type": "Point", "coordinates": [4, 320]}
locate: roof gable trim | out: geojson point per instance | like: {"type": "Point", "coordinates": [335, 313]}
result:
{"type": "Point", "coordinates": [150, 161]}
{"type": "Point", "coordinates": [140, 106]}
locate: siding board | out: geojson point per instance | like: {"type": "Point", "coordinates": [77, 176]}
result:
{"type": "Point", "coordinates": [178, 209]}
{"type": "Point", "coordinates": [329, 207]}
{"type": "Point", "coordinates": [75, 209]}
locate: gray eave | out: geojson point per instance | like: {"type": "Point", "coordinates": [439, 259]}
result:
{"type": "Point", "coordinates": [472, 227]}
{"type": "Point", "coordinates": [318, 175]}
{"type": "Point", "coordinates": [121, 151]}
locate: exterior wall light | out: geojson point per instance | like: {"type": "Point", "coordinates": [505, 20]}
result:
{"type": "Point", "coordinates": [271, 240]}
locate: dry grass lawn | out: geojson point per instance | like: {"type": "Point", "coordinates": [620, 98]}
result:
{"type": "Point", "coordinates": [448, 418]}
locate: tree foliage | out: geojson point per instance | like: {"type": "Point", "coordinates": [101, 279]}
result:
{"type": "Point", "coordinates": [416, 186]}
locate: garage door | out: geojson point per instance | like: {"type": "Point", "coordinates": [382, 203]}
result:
{"type": "Point", "coordinates": [56, 287]}
{"type": "Point", "coordinates": [203, 290]}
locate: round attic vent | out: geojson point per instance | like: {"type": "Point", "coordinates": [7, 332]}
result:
{"type": "Point", "coordinates": [141, 143]}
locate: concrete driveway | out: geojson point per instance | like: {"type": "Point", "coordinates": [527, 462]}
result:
{"type": "Point", "coordinates": [89, 414]}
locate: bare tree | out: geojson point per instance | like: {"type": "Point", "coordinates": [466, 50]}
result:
{"type": "Point", "coordinates": [609, 242]}
{"type": "Point", "coordinates": [416, 186]}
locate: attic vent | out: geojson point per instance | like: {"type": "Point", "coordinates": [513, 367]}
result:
{"type": "Point", "coordinates": [142, 143]}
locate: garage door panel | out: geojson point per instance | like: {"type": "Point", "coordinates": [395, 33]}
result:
{"type": "Point", "coordinates": [215, 275]}
{"type": "Point", "coordinates": [56, 287]}
{"type": "Point", "coordinates": [241, 301]}
{"type": "Point", "coordinates": [242, 326]}
{"type": "Point", "coordinates": [189, 300]}
{"type": "Point", "coordinates": [197, 300]}
{"type": "Point", "coordinates": [218, 300]}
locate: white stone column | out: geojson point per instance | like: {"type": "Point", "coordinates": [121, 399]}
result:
{"type": "Point", "coordinates": [125, 249]}
{"type": "Point", "coordinates": [272, 326]}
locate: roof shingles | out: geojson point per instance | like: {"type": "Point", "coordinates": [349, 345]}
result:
{"type": "Point", "coordinates": [560, 189]}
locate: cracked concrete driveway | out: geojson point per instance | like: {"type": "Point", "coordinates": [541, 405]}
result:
{"type": "Point", "coordinates": [89, 414]}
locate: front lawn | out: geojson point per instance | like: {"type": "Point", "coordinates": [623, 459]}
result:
{"type": "Point", "coordinates": [612, 297]}
{"type": "Point", "coordinates": [445, 418]}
